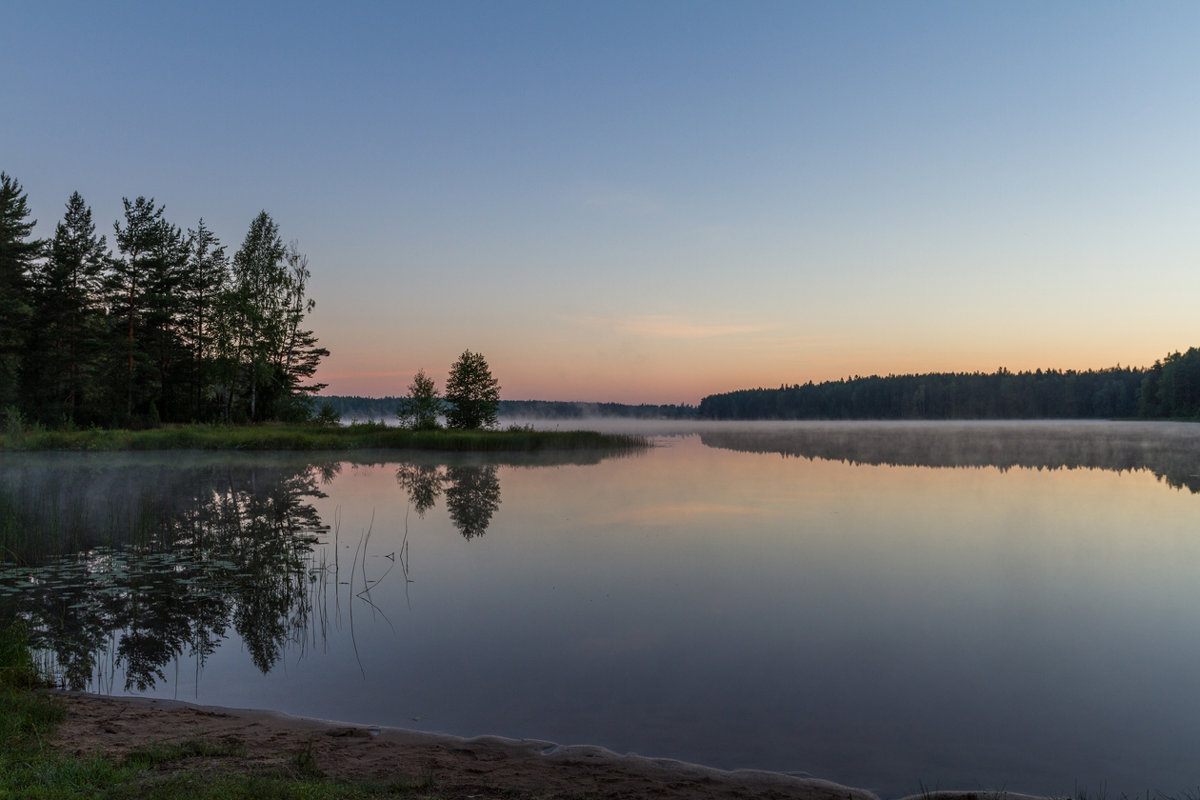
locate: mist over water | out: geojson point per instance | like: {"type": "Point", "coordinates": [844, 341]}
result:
{"type": "Point", "coordinates": [892, 606]}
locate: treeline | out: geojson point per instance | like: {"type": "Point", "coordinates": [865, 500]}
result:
{"type": "Point", "coordinates": [168, 328]}
{"type": "Point", "coordinates": [1170, 389]}
{"type": "Point", "coordinates": [352, 407]}
{"type": "Point", "coordinates": [541, 409]}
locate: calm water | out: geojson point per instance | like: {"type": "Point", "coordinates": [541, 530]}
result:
{"type": "Point", "coordinates": [1005, 606]}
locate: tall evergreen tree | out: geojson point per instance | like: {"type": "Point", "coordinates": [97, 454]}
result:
{"type": "Point", "coordinates": [67, 290]}
{"type": "Point", "coordinates": [127, 287]}
{"type": "Point", "coordinates": [207, 278]}
{"type": "Point", "coordinates": [165, 279]}
{"type": "Point", "coordinates": [18, 253]}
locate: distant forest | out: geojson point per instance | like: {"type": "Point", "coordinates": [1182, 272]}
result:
{"type": "Point", "coordinates": [1170, 389]}
{"type": "Point", "coordinates": [168, 328]}
{"type": "Point", "coordinates": [353, 407]}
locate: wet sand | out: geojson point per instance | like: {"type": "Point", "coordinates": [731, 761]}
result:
{"type": "Point", "coordinates": [451, 767]}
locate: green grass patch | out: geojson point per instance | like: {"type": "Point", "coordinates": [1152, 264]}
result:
{"type": "Point", "coordinates": [370, 436]}
{"type": "Point", "coordinates": [165, 753]}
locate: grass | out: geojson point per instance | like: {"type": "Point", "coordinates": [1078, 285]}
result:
{"type": "Point", "coordinates": [367, 436]}
{"type": "Point", "coordinates": [31, 767]}
{"type": "Point", "coordinates": [166, 753]}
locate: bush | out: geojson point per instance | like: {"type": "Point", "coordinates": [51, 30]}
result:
{"type": "Point", "coordinates": [327, 415]}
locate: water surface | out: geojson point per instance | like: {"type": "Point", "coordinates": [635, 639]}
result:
{"type": "Point", "coordinates": [1008, 606]}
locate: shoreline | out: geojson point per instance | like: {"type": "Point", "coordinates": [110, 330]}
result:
{"type": "Point", "coordinates": [315, 439]}
{"type": "Point", "coordinates": [450, 766]}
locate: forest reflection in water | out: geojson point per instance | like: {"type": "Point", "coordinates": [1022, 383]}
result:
{"type": "Point", "coordinates": [125, 563]}
{"type": "Point", "coordinates": [887, 605]}
{"type": "Point", "coordinates": [1171, 451]}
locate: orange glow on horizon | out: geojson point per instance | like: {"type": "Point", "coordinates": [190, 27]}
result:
{"type": "Point", "coordinates": [678, 384]}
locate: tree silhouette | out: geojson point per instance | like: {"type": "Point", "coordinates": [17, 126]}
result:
{"type": "Point", "coordinates": [473, 393]}
{"type": "Point", "coordinates": [420, 410]}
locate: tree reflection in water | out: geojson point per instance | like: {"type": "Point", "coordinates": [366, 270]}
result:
{"type": "Point", "coordinates": [159, 561]}
{"type": "Point", "coordinates": [124, 564]}
{"type": "Point", "coordinates": [424, 484]}
{"type": "Point", "coordinates": [472, 492]}
{"type": "Point", "coordinates": [472, 497]}
{"type": "Point", "coordinates": [1171, 451]}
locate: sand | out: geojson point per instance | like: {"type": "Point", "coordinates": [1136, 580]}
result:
{"type": "Point", "coordinates": [451, 767]}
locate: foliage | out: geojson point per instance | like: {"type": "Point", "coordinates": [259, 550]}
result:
{"type": "Point", "coordinates": [68, 337]}
{"type": "Point", "coordinates": [207, 279]}
{"type": "Point", "coordinates": [17, 670]}
{"type": "Point", "coordinates": [14, 424]}
{"type": "Point", "coordinates": [543, 409]}
{"type": "Point", "coordinates": [27, 716]}
{"type": "Point", "coordinates": [327, 415]}
{"type": "Point", "coordinates": [473, 394]}
{"type": "Point", "coordinates": [421, 409]}
{"type": "Point", "coordinates": [1049, 394]}
{"type": "Point", "coordinates": [17, 254]}
{"type": "Point", "coordinates": [1171, 388]}
{"type": "Point", "coordinates": [264, 313]}
{"type": "Point", "coordinates": [144, 298]}
{"type": "Point", "coordinates": [166, 330]}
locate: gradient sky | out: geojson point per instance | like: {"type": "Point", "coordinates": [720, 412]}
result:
{"type": "Point", "coordinates": [652, 201]}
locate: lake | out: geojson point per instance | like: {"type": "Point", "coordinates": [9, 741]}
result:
{"type": "Point", "coordinates": [892, 606]}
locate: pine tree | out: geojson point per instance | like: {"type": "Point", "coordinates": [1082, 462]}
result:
{"type": "Point", "coordinates": [67, 291]}
{"type": "Point", "coordinates": [207, 277]}
{"type": "Point", "coordinates": [17, 256]}
{"type": "Point", "coordinates": [165, 279]}
{"type": "Point", "coordinates": [127, 287]}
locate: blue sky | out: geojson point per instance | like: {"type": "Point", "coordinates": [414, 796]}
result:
{"type": "Point", "coordinates": [653, 201]}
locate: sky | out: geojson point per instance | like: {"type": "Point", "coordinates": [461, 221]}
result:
{"type": "Point", "coordinates": [651, 201]}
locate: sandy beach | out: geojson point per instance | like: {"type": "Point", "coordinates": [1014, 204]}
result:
{"type": "Point", "coordinates": [451, 767]}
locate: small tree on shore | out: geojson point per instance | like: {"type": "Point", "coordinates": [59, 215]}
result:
{"type": "Point", "coordinates": [473, 393]}
{"type": "Point", "coordinates": [420, 410]}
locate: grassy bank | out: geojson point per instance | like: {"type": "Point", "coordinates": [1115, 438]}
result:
{"type": "Point", "coordinates": [31, 766]}
{"type": "Point", "coordinates": [370, 436]}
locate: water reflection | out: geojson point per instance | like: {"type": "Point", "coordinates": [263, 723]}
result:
{"type": "Point", "coordinates": [884, 626]}
{"type": "Point", "coordinates": [144, 562]}
{"type": "Point", "coordinates": [472, 497]}
{"type": "Point", "coordinates": [122, 565]}
{"type": "Point", "coordinates": [424, 484]}
{"type": "Point", "coordinates": [1171, 451]}
{"type": "Point", "coordinates": [472, 492]}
